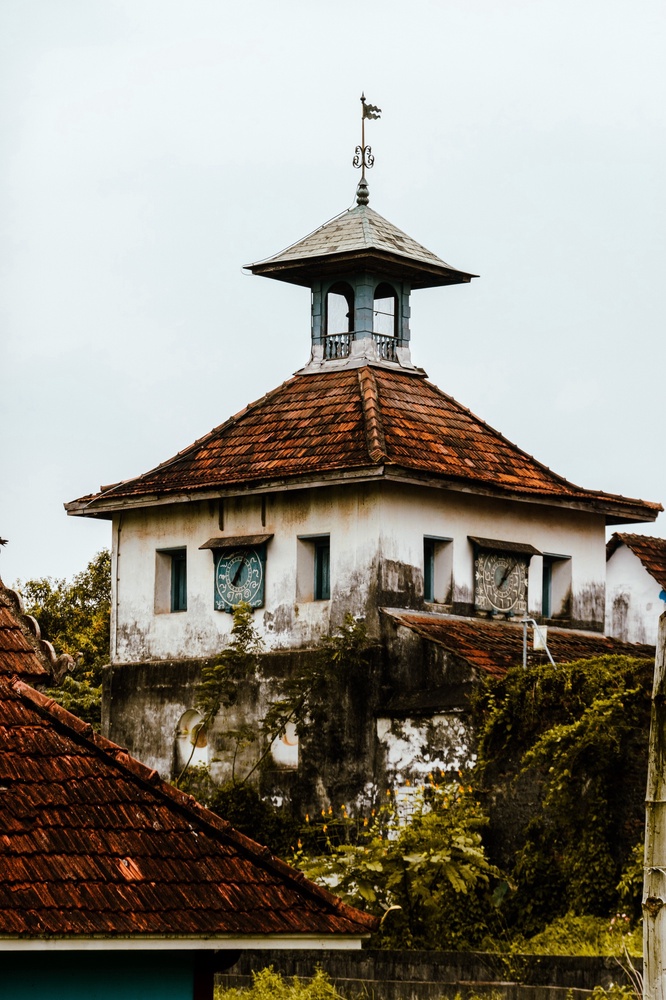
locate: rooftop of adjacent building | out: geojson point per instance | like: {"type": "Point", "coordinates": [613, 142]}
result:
{"type": "Point", "coordinates": [651, 552]}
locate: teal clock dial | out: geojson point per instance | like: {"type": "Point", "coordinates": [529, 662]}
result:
{"type": "Point", "coordinates": [239, 577]}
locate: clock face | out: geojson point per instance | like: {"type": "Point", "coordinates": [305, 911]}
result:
{"type": "Point", "coordinates": [239, 577]}
{"type": "Point", "coordinates": [501, 582]}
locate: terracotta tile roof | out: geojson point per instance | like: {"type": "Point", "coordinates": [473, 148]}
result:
{"type": "Point", "coordinates": [20, 654]}
{"type": "Point", "coordinates": [360, 233]}
{"type": "Point", "coordinates": [650, 551]}
{"type": "Point", "coordinates": [493, 647]}
{"type": "Point", "coordinates": [367, 421]}
{"type": "Point", "coordinates": [94, 843]}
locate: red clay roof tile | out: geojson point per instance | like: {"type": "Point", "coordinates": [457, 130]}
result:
{"type": "Point", "coordinates": [366, 420]}
{"type": "Point", "coordinates": [94, 843]}
{"type": "Point", "coordinates": [494, 647]}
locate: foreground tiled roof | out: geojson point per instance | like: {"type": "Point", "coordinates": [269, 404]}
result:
{"type": "Point", "coordinates": [359, 233]}
{"type": "Point", "coordinates": [92, 843]}
{"type": "Point", "coordinates": [363, 422]}
{"type": "Point", "coordinates": [19, 638]}
{"type": "Point", "coordinates": [650, 551]}
{"type": "Point", "coordinates": [494, 647]}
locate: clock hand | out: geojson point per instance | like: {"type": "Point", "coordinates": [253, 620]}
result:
{"type": "Point", "coordinates": [237, 575]}
{"type": "Point", "coordinates": [507, 573]}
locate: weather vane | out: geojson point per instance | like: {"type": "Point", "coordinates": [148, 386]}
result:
{"type": "Point", "coordinates": [363, 154]}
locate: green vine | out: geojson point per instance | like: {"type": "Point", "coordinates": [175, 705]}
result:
{"type": "Point", "coordinates": [571, 742]}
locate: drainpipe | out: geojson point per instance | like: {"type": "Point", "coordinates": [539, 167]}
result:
{"type": "Point", "coordinates": [117, 588]}
{"type": "Point", "coordinates": [530, 621]}
{"type": "Point", "coordinates": [654, 879]}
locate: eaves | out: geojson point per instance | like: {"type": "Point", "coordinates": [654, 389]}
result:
{"type": "Point", "coordinates": [615, 509]}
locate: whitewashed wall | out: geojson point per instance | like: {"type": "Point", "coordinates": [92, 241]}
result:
{"type": "Point", "coordinates": [633, 606]}
{"type": "Point", "coordinates": [376, 535]}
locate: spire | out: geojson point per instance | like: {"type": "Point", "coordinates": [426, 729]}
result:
{"type": "Point", "coordinates": [363, 154]}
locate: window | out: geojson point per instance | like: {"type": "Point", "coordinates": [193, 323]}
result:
{"type": "Point", "coordinates": [437, 569]}
{"type": "Point", "coordinates": [179, 581]}
{"type": "Point", "coordinates": [385, 311]}
{"type": "Point", "coordinates": [556, 586]}
{"type": "Point", "coordinates": [313, 568]}
{"type": "Point", "coordinates": [170, 580]}
{"type": "Point", "coordinates": [429, 569]}
{"type": "Point", "coordinates": [322, 569]}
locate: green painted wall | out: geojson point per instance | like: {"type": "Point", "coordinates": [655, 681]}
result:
{"type": "Point", "coordinates": [31, 975]}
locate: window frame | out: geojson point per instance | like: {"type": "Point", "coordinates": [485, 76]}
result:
{"type": "Point", "coordinates": [322, 568]}
{"type": "Point", "coordinates": [171, 580]}
{"type": "Point", "coordinates": [437, 569]}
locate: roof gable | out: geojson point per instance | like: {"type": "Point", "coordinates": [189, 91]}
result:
{"type": "Point", "coordinates": [650, 551]}
{"type": "Point", "coordinates": [361, 422]}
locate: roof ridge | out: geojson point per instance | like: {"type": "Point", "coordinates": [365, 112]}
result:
{"type": "Point", "coordinates": [119, 757]}
{"type": "Point", "coordinates": [374, 425]}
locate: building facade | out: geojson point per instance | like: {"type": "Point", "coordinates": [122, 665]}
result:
{"type": "Point", "coordinates": [355, 487]}
{"type": "Point", "coordinates": [635, 586]}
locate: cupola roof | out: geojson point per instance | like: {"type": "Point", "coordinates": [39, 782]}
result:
{"type": "Point", "coordinates": [359, 239]}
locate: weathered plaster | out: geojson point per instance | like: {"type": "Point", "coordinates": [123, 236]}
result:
{"type": "Point", "coordinates": [633, 605]}
{"type": "Point", "coordinates": [376, 535]}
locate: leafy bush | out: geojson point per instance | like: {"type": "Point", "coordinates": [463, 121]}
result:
{"type": "Point", "coordinates": [573, 737]}
{"type": "Point", "coordinates": [270, 985]}
{"type": "Point", "coordinates": [574, 934]}
{"type": "Point", "coordinates": [416, 871]}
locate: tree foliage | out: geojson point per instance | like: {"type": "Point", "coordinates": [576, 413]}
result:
{"type": "Point", "coordinates": [75, 617]}
{"type": "Point", "coordinates": [574, 738]}
{"type": "Point", "coordinates": [423, 865]}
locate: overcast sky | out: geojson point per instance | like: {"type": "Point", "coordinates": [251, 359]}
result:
{"type": "Point", "coordinates": [150, 148]}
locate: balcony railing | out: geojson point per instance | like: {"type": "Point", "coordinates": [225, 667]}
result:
{"type": "Point", "coordinates": [385, 346]}
{"type": "Point", "coordinates": [336, 345]}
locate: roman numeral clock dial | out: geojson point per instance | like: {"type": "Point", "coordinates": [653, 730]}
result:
{"type": "Point", "coordinates": [501, 583]}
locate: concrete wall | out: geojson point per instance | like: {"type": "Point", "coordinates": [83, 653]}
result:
{"type": "Point", "coordinates": [633, 605]}
{"type": "Point", "coordinates": [431, 975]}
{"type": "Point", "coordinates": [376, 536]}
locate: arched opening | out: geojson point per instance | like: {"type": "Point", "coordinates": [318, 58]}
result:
{"type": "Point", "coordinates": [339, 320]}
{"type": "Point", "coordinates": [191, 740]}
{"type": "Point", "coordinates": [385, 311]}
{"type": "Point", "coordinates": [284, 749]}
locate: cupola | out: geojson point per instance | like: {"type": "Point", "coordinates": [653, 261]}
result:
{"type": "Point", "coordinates": [361, 270]}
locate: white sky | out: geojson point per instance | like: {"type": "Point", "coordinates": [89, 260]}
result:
{"type": "Point", "coordinates": [150, 148]}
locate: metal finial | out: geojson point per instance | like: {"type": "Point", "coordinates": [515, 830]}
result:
{"type": "Point", "coordinates": [362, 192]}
{"type": "Point", "coordinates": [363, 154]}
